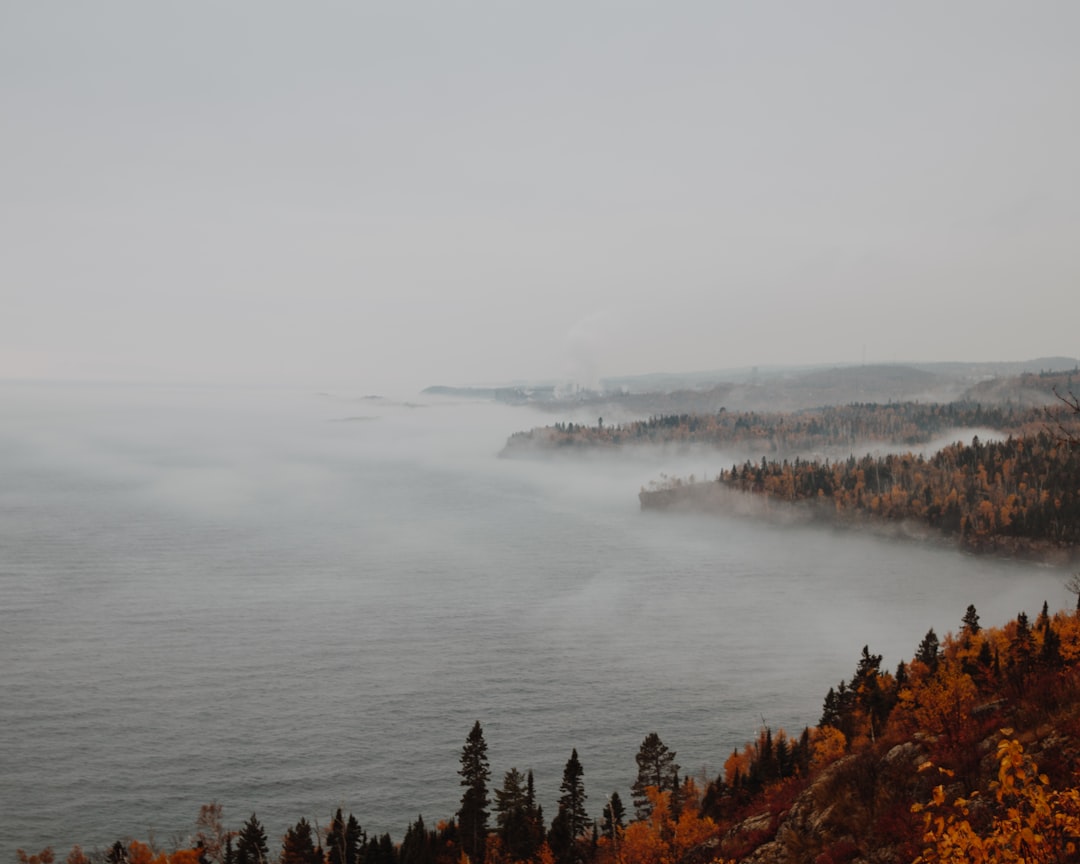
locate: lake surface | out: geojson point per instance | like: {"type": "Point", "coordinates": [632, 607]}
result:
{"type": "Point", "coordinates": [290, 602]}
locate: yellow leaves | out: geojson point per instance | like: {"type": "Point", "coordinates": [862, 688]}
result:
{"type": "Point", "coordinates": [662, 839]}
{"type": "Point", "coordinates": [829, 745]}
{"type": "Point", "coordinates": [1036, 824]}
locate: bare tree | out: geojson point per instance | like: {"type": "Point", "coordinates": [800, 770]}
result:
{"type": "Point", "coordinates": [1072, 585]}
{"type": "Point", "coordinates": [210, 833]}
{"type": "Point", "coordinates": [1058, 419]}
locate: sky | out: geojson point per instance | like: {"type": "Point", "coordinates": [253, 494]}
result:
{"type": "Point", "coordinates": [400, 194]}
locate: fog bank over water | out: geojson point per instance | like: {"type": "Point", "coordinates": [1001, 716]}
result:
{"type": "Point", "coordinates": [234, 595]}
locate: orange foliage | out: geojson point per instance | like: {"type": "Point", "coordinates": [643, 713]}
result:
{"type": "Point", "coordinates": [662, 839]}
{"type": "Point", "coordinates": [1031, 822]}
{"type": "Point", "coordinates": [829, 745]}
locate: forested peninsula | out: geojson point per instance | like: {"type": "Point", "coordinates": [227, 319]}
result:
{"type": "Point", "coordinates": [1020, 495]}
{"type": "Point", "coordinates": [1016, 493]}
{"type": "Point", "coordinates": [969, 751]}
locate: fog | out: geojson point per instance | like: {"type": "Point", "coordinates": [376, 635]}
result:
{"type": "Point", "coordinates": [232, 595]}
{"type": "Point", "coordinates": [244, 560]}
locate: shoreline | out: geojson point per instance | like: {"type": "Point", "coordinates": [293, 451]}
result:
{"type": "Point", "coordinates": [712, 497]}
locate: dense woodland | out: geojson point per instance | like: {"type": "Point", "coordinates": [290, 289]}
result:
{"type": "Point", "coordinates": [1020, 489]}
{"type": "Point", "coordinates": [830, 428]}
{"type": "Point", "coordinates": [1018, 495]}
{"type": "Point", "coordinates": [934, 761]}
{"type": "Point", "coordinates": [906, 423]}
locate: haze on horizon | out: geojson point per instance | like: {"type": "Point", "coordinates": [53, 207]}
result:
{"type": "Point", "coordinates": [327, 194]}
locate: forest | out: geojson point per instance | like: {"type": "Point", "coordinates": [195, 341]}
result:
{"type": "Point", "coordinates": [829, 428]}
{"type": "Point", "coordinates": [968, 751]}
{"type": "Point", "coordinates": [1017, 495]}
{"type": "Point", "coordinates": [907, 423]}
{"type": "Point", "coordinates": [1012, 494]}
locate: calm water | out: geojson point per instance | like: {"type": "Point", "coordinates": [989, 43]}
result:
{"type": "Point", "coordinates": [290, 602]}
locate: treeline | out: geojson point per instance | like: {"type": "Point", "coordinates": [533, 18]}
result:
{"type": "Point", "coordinates": [894, 750]}
{"type": "Point", "coordinates": [867, 782]}
{"type": "Point", "coordinates": [665, 806]}
{"type": "Point", "coordinates": [903, 424]}
{"type": "Point", "coordinates": [1021, 488]}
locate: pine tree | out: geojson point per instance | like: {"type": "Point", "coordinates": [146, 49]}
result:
{"type": "Point", "coordinates": [971, 621]}
{"type": "Point", "coordinates": [929, 651]}
{"type": "Point", "coordinates": [656, 767]}
{"type": "Point", "coordinates": [571, 820]}
{"type": "Point", "coordinates": [514, 817]}
{"type": "Point", "coordinates": [473, 815]}
{"type": "Point", "coordinates": [344, 840]}
{"type": "Point", "coordinates": [380, 850]}
{"type": "Point", "coordinates": [675, 805]}
{"type": "Point", "coordinates": [251, 845]}
{"type": "Point", "coordinates": [298, 845]}
{"type": "Point", "coordinates": [613, 816]}
{"type": "Point", "coordinates": [418, 845]}
{"type": "Point", "coordinates": [535, 812]}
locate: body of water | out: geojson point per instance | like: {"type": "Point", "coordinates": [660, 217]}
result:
{"type": "Point", "coordinates": [290, 602]}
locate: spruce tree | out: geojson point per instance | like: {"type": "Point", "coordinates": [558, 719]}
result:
{"type": "Point", "coordinates": [971, 621]}
{"type": "Point", "coordinates": [929, 651]}
{"type": "Point", "coordinates": [298, 845]}
{"type": "Point", "coordinates": [251, 845]}
{"type": "Point", "coordinates": [344, 839]}
{"type": "Point", "coordinates": [473, 815]}
{"type": "Point", "coordinates": [571, 821]}
{"type": "Point", "coordinates": [613, 816]}
{"type": "Point", "coordinates": [656, 767]}
{"type": "Point", "coordinates": [417, 847]}
{"type": "Point", "coordinates": [514, 817]}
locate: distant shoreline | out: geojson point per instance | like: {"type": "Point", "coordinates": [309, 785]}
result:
{"type": "Point", "coordinates": [713, 497]}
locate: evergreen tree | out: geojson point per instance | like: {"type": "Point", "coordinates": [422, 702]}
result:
{"type": "Point", "coordinates": [971, 621]}
{"type": "Point", "coordinates": [251, 845]}
{"type": "Point", "coordinates": [380, 850]}
{"type": "Point", "coordinates": [802, 752]}
{"type": "Point", "coordinates": [559, 840]}
{"type": "Point", "coordinates": [1051, 649]}
{"type": "Point", "coordinates": [614, 815]}
{"type": "Point", "coordinates": [656, 767]}
{"type": "Point", "coordinates": [929, 651]}
{"type": "Point", "coordinates": [344, 839]}
{"type": "Point", "coordinates": [830, 710]}
{"type": "Point", "coordinates": [675, 803]}
{"type": "Point", "coordinates": [535, 811]}
{"type": "Point", "coordinates": [473, 815]}
{"type": "Point", "coordinates": [298, 845]}
{"type": "Point", "coordinates": [572, 800]}
{"type": "Point", "coordinates": [514, 817]}
{"type": "Point", "coordinates": [418, 845]}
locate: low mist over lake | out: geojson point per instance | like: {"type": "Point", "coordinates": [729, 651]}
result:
{"type": "Point", "coordinates": [290, 601]}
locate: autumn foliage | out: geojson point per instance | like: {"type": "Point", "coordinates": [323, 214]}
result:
{"type": "Point", "coordinates": [853, 779]}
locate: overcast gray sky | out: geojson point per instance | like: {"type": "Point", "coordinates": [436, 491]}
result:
{"type": "Point", "coordinates": [399, 194]}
